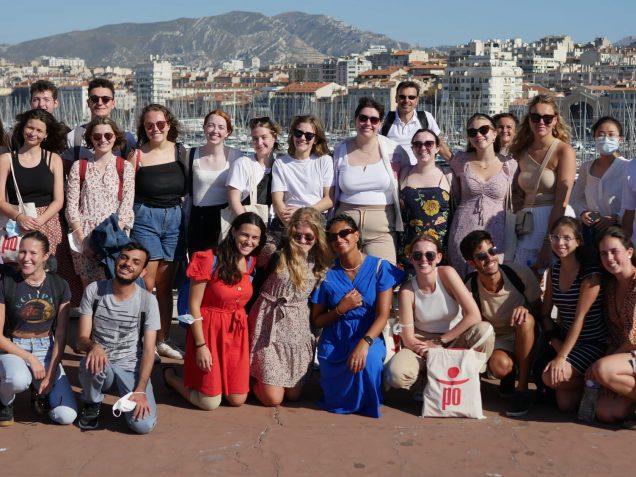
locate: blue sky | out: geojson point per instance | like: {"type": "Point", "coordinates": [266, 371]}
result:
{"type": "Point", "coordinates": [416, 21]}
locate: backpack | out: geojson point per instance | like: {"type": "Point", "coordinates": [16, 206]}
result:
{"type": "Point", "coordinates": [179, 152]}
{"type": "Point", "coordinates": [515, 280]}
{"type": "Point", "coordinates": [390, 118]}
{"type": "Point", "coordinates": [121, 164]}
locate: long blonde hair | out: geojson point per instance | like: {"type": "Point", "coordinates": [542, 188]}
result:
{"type": "Point", "coordinates": [291, 256]}
{"type": "Point", "coordinates": [524, 137]}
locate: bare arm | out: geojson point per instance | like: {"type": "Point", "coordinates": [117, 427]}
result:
{"type": "Point", "coordinates": [197, 289]}
{"type": "Point", "coordinates": [234, 199]}
{"type": "Point", "coordinates": [5, 208]}
{"type": "Point", "coordinates": [325, 203]}
{"type": "Point", "coordinates": [279, 206]}
{"type": "Point", "coordinates": [406, 299]}
{"type": "Point", "coordinates": [470, 311]}
{"type": "Point", "coordinates": [444, 150]}
{"type": "Point", "coordinates": [147, 360]}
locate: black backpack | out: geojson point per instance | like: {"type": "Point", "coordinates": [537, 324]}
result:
{"type": "Point", "coordinates": [471, 279]}
{"type": "Point", "coordinates": [390, 118]}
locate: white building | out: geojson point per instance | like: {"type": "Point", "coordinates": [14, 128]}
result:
{"type": "Point", "coordinates": [256, 63]}
{"type": "Point", "coordinates": [232, 65]}
{"type": "Point", "coordinates": [349, 67]}
{"type": "Point", "coordinates": [153, 82]}
{"type": "Point", "coordinates": [55, 62]}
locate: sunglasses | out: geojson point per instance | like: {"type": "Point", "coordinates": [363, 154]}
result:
{"type": "Point", "coordinates": [546, 118]}
{"type": "Point", "coordinates": [374, 120]}
{"type": "Point", "coordinates": [430, 256]}
{"type": "Point", "coordinates": [161, 125]}
{"type": "Point", "coordinates": [483, 256]}
{"type": "Point", "coordinates": [93, 98]}
{"type": "Point", "coordinates": [404, 96]}
{"type": "Point", "coordinates": [426, 144]}
{"type": "Point", "coordinates": [96, 137]}
{"type": "Point", "coordinates": [308, 135]}
{"type": "Point", "coordinates": [344, 233]}
{"type": "Point", "coordinates": [308, 238]}
{"type": "Point", "coordinates": [483, 130]}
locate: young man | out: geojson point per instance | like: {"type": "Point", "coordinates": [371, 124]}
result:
{"type": "Point", "coordinates": [44, 96]}
{"type": "Point", "coordinates": [117, 331]}
{"type": "Point", "coordinates": [401, 125]}
{"type": "Point", "coordinates": [509, 298]}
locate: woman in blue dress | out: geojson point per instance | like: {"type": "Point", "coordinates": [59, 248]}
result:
{"type": "Point", "coordinates": [352, 306]}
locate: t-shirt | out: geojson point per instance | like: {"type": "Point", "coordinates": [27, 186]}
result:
{"type": "Point", "coordinates": [33, 309]}
{"type": "Point", "coordinates": [116, 323]}
{"type": "Point", "coordinates": [302, 181]}
{"type": "Point", "coordinates": [86, 153]}
{"type": "Point", "coordinates": [629, 190]}
{"type": "Point", "coordinates": [496, 308]}
{"type": "Point", "coordinates": [240, 173]}
{"type": "Point", "coordinates": [403, 133]}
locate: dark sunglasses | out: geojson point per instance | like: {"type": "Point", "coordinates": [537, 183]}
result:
{"type": "Point", "coordinates": [483, 256]}
{"type": "Point", "coordinates": [344, 233]}
{"type": "Point", "coordinates": [96, 137]}
{"type": "Point", "coordinates": [309, 238]}
{"type": "Point", "coordinates": [363, 118]}
{"type": "Point", "coordinates": [483, 130]}
{"type": "Point", "coordinates": [404, 96]}
{"type": "Point", "coordinates": [93, 98]}
{"type": "Point", "coordinates": [426, 144]}
{"type": "Point", "coordinates": [430, 256]}
{"type": "Point", "coordinates": [161, 125]}
{"type": "Point", "coordinates": [546, 118]}
{"type": "Point", "coordinates": [308, 135]}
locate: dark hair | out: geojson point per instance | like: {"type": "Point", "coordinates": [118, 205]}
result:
{"type": "Point", "coordinates": [55, 140]}
{"type": "Point", "coordinates": [101, 83]}
{"type": "Point", "coordinates": [620, 235]}
{"type": "Point", "coordinates": [607, 119]}
{"type": "Point", "coordinates": [40, 237]}
{"type": "Point", "coordinates": [512, 116]}
{"type": "Point", "coordinates": [41, 86]}
{"type": "Point", "coordinates": [266, 122]}
{"type": "Point", "coordinates": [224, 115]}
{"type": "Point", "coordinates": [426, 130]}
{"type": "Point", "coordinates": [366, 102]}
{"type": "Point", "coordinates": [4, 142]}
{"type": "Point", "coordinates": [228, 254]}
{"type": "Point", "coordinates": [408, 84]}
{"type": "Point", "coordinates": [320, 146]}
{"type": "Point", "coordinates": [347, 220]}
{"type": "Point", "coordinates": [136, 246]}
{"type": "Point", "coordinates": [469, 146]}
{"type": "Point", "coordinates": [575, 225]}
{"type": "Point", "coordinates": [173, 134]}
{"type": "Point", "coordinates": [471, 241]}
{"type": "Point", "coordinates": [120, 140]}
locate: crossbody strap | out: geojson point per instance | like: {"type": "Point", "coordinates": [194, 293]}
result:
{"type": "Point", "coordinates": [544, 164]}
{"type": "Point", "coordinates": [15, 184]}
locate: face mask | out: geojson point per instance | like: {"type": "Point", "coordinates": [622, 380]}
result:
{"type": "Point", "coordinates": [123, 404]}
{"type": "Point", "coordinates": [12, 228]}
{"type": "Point", "coordinates": [188, 319]}
{"type": "Point", "coordinates": [606, 146]}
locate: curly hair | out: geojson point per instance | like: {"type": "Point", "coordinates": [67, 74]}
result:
{"type": "Point", "coordinates": [172, 121]}
{"type": "Point", "coordinates": [55, 140]}
{"type": "Point", "coordinates": [320, 146]}
{"type": "Point", "coordinates": [120, 140]}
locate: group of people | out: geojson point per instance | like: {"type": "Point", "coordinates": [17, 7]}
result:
{"type": "Point", "coordinates": [295, 256]}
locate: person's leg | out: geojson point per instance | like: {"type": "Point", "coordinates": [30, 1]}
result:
{"type": "Point", "coordinates": [236, 400]}
{"type": "Point", "coordinates": [612, 408]}
{"type": "Point", "coordinates": [62, 400]}
{"type": "Point", "coordinates": [15, 377]}
{"type": "Point", "coordinates": [480, 337]}
{"type": "Point", "coordinates": [569, 391]}
{"type": "Point", "coordinates": [501, 364]}
{"type": "Point", "coordinates": [94, 385]}
{"type": "Point", "coordinates": [269, 395]}
{"type": "Point", "coordinates": [524, 341]}
{"type": "Point", "coordinates": [293, 394]}
{"type": "Point", "coordinates": [126, 381]}
{"type": "Point", "coordinates": [616, 373]}
{"type": "Point", "coordinates": [403, 370]}
{"type": "Point", "coordinates": [200, 400]}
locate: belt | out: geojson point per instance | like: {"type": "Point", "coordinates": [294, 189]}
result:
{"type": "Point", "coordinates": [280, 305]}
{"type": "Point", "coordinates": [236, 324]}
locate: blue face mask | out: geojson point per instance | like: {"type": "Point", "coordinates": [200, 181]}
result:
{"type": "Point", "coordinates": [12, 228]}
{"type": "Point", "coordinates": [606, 146]}
{"type": "Point", "coordinates": [187, 319]}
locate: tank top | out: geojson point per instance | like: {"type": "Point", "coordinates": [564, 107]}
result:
{"type": "Point", "coordinates": [208, 187]}
{"type": "Point", "coordinates": [528, 176]}
{"type": "Point", "coordinates": [369, 185]}
{"type": "Point", "coordinates": [161, 185]}
{"type": "Point", "coordinates": [435, 312]}
{"type": "Point", "coordinates": [35, 183]}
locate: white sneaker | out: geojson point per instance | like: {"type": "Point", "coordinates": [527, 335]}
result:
{"type": "Point", "coordinates": [169, 350]}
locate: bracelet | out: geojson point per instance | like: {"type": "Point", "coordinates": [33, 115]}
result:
{"type": "Point", "coordinates": [138, 392]}
{"type": "Point", "coordinates": [338, 312]}
{"type": "Point", "coordinates": [19, 214]}
{"type": "Point", "coordinates": [200, 345]}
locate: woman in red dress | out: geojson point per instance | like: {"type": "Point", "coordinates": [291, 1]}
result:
{"type": "Point", "coordinates": [217, 347]}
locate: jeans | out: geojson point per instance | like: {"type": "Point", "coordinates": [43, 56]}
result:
{"type": "Point", "coordinates": [16, 377]}
{"type": "Point", "coordinates": [161, 231]}
{"type": "Point", "coordinates": [94, 386]}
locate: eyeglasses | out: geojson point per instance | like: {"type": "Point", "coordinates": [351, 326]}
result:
{"type": "Point", "coordinates": [430, 256]}
{"type": "Point", "coordinates": [308, 238]}
{"type": "Point", "coordinates": [256, 122]}
{"type": "Point", "coordinates": [93, 98]}
{"type": "Point", "coordinates": [546, 118]}
{"type": "Point", "coordinates": [426, 144]}
{"type": "Point", "coordinates": [161, 125]}
{"type": "Point", "coordinates": [483, 256]}
{"type": "Point", "coordinates": [308, 135]}
{"type": "Point", "coordinates": [483, 130]}
{"type": "Point", "coordinates": [374, 120]}
{"type": "Point", "coordinates": [557, 238]}
{"type": "Point", "coordinates": [344, 233]}
{"type": "Point", "coordinates": [402, 97]}
{"type": "Point", "coordinates": [96, 137]}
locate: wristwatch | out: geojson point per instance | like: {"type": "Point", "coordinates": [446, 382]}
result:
{"type": "Point", "coordinates": [442, 343]}
{"type": "Point", "coordinates": [368, 339]}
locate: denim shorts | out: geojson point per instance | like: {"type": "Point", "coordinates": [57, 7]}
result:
{"type": "Point", "coordinates": [41, 348]}
{"type": "Point", "coordinates": [160, 230]}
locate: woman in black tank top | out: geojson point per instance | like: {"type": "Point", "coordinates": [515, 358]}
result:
{"type": "Point", "coordinates": [159, 225]}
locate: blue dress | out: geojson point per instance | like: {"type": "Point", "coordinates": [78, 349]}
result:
{"type": "Point", "coordinates": [346, 392]}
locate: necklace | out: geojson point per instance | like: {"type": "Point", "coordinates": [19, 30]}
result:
{"type": "Point", "coordinates": [36, 285]}
{"type": "Point", "coordinates": [356, 267]}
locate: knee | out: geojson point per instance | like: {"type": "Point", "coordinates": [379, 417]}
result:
{"type": "Point", "coordinates": [500, 364]}
{"type": "Point", "coordinates": [398, 375]}
{"type": "Point", "coordinates": [236, 400]}
{"type": "Point", "coordinates": [63, 415]}
{"type": "Point", "coordinates": [18, 380]}
{"type": "Point", "coordinates": [205, 402]}
{"type": "Point", "coordinates": [547, 380]}
{"type": "Point", "coordinates": [143, 426]}
{"type": "Point", "coordinates": [268, 399]}
{"type": "Point", "coordinates": [526, 327]}
{"type": "Point", "coordinates": [602, 371]}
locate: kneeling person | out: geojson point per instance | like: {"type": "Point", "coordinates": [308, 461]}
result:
{"type": "Point", "coordinates": [117, 330]}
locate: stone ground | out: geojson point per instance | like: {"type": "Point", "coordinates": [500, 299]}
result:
{"type": "Point", "coordinates": [300, 439]}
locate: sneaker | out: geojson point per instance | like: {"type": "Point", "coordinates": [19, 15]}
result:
{"type": "Point", "coordinates": [6, 415]}
{"type": "Point", "coordinates": [507, 386]}
{"type": "Point", "coordinates": [520, 404]}
{"type": "Point", "coordinates": [168, 350]}
{"type": "Point", "coordinates": [89, 417]}
{"type": "Point", "coordinates": [42, 404]}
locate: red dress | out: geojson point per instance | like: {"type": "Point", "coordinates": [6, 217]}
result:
{"type": "Point", "coordinates": [225, 332]}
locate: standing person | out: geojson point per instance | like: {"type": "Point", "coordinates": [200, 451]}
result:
{"type": "Point", "coordinates": [365, 185]}
{"type": "Point", "coordinates": [506, 124]}
{"type": "Point", "coordinates": [485, 178]}
{"type": "Point", "coordinates": [616, 372]}
{"type": "Point", "coordinates": [547, 166]}
{"type": "Point", "coordinates": [282, 343]}
{"type": "Point", "coordinates": [352, 307]}
{"type": "Point", "coordinates": [160, 184]}
{"type": "Point", "coordinates": [217, 357]}
{"type": "Point", "coordinates": [574, 288]}
{"type": "Point", "coordinates": [400, 125]}
{"type": "Point", "coordinates": [97, 188]}
{"type": "Point", "coordinates": [117, 331]}
{"type": "Point", "coordinates": [34, 308]}
{"type": "Point", "coordinates": [425, 196]}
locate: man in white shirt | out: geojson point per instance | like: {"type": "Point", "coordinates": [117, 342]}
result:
{"type": "Point", "coordinates": [401, 125]}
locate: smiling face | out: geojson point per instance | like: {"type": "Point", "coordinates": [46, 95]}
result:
{"type": "Point", "coordinates": [342, 238]}
{"type": "Point", "coordinates": [365, 120]}
{"type": "Point", "coordinates": [424, 147]}
{"type": "Point", "coordinates": [302, 144]}
{"type": "Point", "coordinates": [215, 129]}
{"type": "Point", "coordinates": [614, 256]}
{"type": "Point", "coordinates": [424, 257]}
{"type": "Point", "coordinates": [506, 129]}
{"type": "Point", "coordinates": [156, 127]}
{"type": "Point", "coordinates": [541, 129]}
{"type": "Point", "coordinates": [563, 240]}
{"type": "Point", "coordinates": [483, 261]}
{"type": "Point", "coordinates": [101, 101]}
{"type": "Point", "coordinates": [246, 237]}
{"type": "Point", "coordinates": [103, 138]}
{"type": "Point", "coordinates": [34, 132]}
{"type": "Point", "coordinates": [263, 141]}
{"type": "Point", "coordinates": [130, 265]}
{"type": "Point", "coordinates": [304, 237]}
{"type": "Point", "coordinates": [407, 99]}
{"type": "Point", "coordinates": [485, 136]}
{"type": "Point", "coordinates": [31, 257]}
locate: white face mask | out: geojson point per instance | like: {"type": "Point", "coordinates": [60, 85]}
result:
{"type": "Point", "coordinates": [123, 404]}
{"type": "Point", "coordinates": [606, 146]}
{"type": "Point", "coordinates": [188, 319]}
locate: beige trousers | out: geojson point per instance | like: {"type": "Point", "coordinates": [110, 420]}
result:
{"type": "Point", "coordinates": [377, 228]}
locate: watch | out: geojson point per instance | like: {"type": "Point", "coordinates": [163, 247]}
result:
{"type": "Point", "coordinates": [368, 339]}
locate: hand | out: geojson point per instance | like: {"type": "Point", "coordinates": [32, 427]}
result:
{"type": "Point", "coordinates": [37, 368]}
{"type": "Point", "coordinates": [519, 316]}
{"type": "Point", "coordinates": [358, 357]}
{"type": "Point", "coordinates": [27, 223]}
{"type": "Point", "coordinates": [586, 218]}
{"type": "Point", "coordinates": [351, 300]}
{"type": "Point", "coordinates": [556, 368]}
{"type": "Point", "coordinates": [45, 385]}
{"type": "Point", "coordinates": [142, 410]}
{"type": "Point", "coordinates": [604, 222]}
{"type": "Point", "coordinates": [419, 348]}
{"type": "Point", "coordinates": [204, 359]}
{"type": "Point", "coordinates": [286, 214]}
{"type": "Point", "coordinates": [430, 344]}
{"type": "Point", "coordinates": [96, 359]}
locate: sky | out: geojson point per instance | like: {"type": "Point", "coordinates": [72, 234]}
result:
{"type": "Point", "coordinates": [420, 22]}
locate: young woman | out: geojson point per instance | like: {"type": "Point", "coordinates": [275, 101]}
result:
{"type": "Point", "coordinates": [217, 347]}
{"type": "Point", "coordinates": [617, 371]}
{"type": "Point", "coordinates": [484, 178]}
{"type": "Point", "coordinates": [352, 306]}
{"type": "Point", "coordinates": [580, 339]}
{"type": "Point", "coordinates": [365, 185]}
{"type": "Point", "coordinates": [436, 309]}
{"type": "Point", "coordinates": [206, 181]}
{"type": "Point", "coordinates": [547, 167]}
{"type": "Point", "coordinates": [159, 188]}
{"type": "Point", "coordinates": [506, 124]}
{"type": "Point", "coordinates": [34, 307]}
{"type": "Point", "coordinates": [97, 188]}
{"type": "Point", "coordinates": [425, 199]}
{"type": "Point", "coordinates": [282, 344]}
